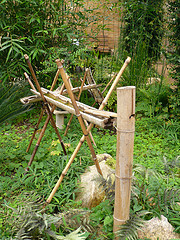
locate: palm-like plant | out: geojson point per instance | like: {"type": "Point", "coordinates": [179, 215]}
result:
{"type": "Point", "coordinates": [10, 105]}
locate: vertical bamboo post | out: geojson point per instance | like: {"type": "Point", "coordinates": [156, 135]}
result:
{"type": "Point", "coordinates": [124, 154]}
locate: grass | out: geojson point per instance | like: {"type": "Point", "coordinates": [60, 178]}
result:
{"type": "Point", "coordinates": [156, 148]}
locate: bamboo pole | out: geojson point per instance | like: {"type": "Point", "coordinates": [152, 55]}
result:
{"type": "Point", "coordinates": [40, 117]}
{"type": "Point", "coordinates": [85, 132]}
{"type": "Point", "coordinates": [71, 117]}
{"type": "Point", "coordinates": [90, 134]}
{"type": "Point", "coordinates": [88, 129]}
{"type": "Point", "coordinates": [124, 154]}
{"type": "Point", "coordinates": [112, 79]}
{"type": "Point", "coordinates": [101, 113]}
{"type": "Point", "coordinates": [42, 110]}
{"type": "Point", "coordinates": [30, 83]}
{"type": "Point", "coordinates": [41, 135]}
{"type": "Point", "coordinates": [49, 113]}
{"type": "Point", "coordinates": [78, 114]}
{"type": "Point", "coordinates": [86, 87]}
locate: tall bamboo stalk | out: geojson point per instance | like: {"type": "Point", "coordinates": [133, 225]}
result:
{"type": "Point", "coordinates": [124, 154]}
{"type": "Point", "coordinates": [88, 129]}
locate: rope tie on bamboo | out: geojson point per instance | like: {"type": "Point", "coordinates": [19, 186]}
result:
{"type": "Point", "coordinates": [123, 178]}
{"type": "Point", "coordinates": [119, 220]}
{"type": "Point", "coordinates": [86, 134]}
{"type": "Point", "coordinates": [124, 131]}
{"type": "Point", "coordinates": [78, 115]}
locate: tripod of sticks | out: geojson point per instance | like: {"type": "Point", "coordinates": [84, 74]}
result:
{"type": "Point", "coordinates": [46, 109]}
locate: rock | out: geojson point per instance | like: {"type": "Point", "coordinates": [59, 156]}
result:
{"type": "Point", "coordinates": [158, 229]}
{"type": "Point", "coordinates": [91, 193]}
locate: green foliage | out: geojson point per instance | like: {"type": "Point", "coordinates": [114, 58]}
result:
{"type": "Point", "coordinates": [155, 182]}
{"type": "Point", "coordinates": [35, 27]}
{"type": "Point", "coordinates": [155, 99]}
{"type": "Point", "coordinates": [173, 54]}
{"type": "Point", "coordinates": [143, 24]}
{"type": "Point", "coordinates": [128, 231]}
{"type": "Point", "coordinates": [29, 222]}
{"type": "Point", "coordinates": [10, 105]}
{"type": "Point", "coordinates": [102, 220]}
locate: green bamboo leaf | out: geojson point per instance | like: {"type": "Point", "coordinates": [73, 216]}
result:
{"type": "Point", "coordinates": [3, 1]}
{"type": "Point", "coordinates": [10, 50]}
{"type": "Point", "coordinates": [18, 46]}
{"type": "Point", "coordinates": [3, 48]}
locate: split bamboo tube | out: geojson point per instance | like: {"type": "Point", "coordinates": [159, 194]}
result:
{"type": "Point", "coordinates": [124, 154]}
{"type": "Point", "coordinates": [66, 105]}
{"type": "Point", "coordinates": [89, 128]}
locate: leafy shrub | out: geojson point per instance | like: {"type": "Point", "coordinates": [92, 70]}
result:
{"type": "Point", "coordinates": [143, 23]}
{"type": "Point", "coordinates": [173, 54]}
{"type": "Point", "coordinates": [10, 105]}
{"type": "Point", "coordinates": [34, 27]}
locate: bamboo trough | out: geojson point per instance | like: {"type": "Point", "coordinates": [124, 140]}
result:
{"type": "Point", "coordinates": [92, 115]}
{"type": "Point", "coordinates": [34, 98]}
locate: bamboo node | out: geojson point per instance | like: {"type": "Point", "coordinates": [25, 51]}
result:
{"type": "Point", "coordinates": [119, 220]}
{"type": "Point", "coordinates": [123, 178]}
{"type": "Point", "coordinates": [124, 131]}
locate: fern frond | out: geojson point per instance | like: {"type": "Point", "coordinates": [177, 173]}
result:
{"type": "Point", "coordinates": [128, 231]}
{"type": "Point", "coordinates": [146, 172]}
{"type": "Point", "coordinates": [76, 235]}
{"type": "Point", "coordinates": [75, 218]}
{"type": "Point", "coordinates": [30, 222]}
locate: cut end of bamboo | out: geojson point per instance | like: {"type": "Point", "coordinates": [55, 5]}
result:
{"type": "Point", "coordinates": [26, 56]}
{"type": "Point", "coordinates": [25, 74]}
{"type": "Point", "coordinates": [59, 63]}
{"type": "Point", "coordinates": [57, 60]}
{"type": "Point", "coordinates": [128, 60]}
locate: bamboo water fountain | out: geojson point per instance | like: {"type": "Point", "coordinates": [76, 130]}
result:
{"type": "Point", "coordinates": [125, 130]}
